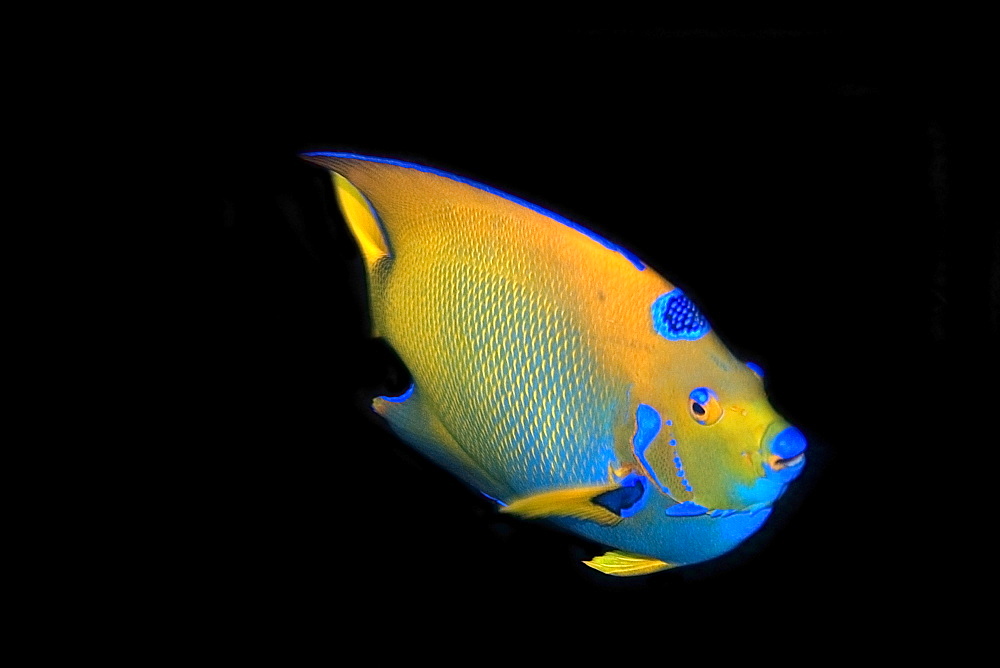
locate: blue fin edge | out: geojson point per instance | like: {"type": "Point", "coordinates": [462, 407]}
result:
{"type": "Point", "coordinates": [628, 255]}
{"type": "Point", "coordinates": [401, 398]}
{"type": "Point", "coordinates": [493, 498]}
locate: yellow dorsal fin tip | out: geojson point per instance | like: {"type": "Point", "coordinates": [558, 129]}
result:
{"type": "Point", "coordinates": [362, 220]}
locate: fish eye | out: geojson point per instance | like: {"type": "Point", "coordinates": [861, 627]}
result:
{"type": "Point", "coordinates": [704, 405]}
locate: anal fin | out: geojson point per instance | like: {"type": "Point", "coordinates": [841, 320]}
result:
{"type": "Point", "coordinates": [627, 564]}
{"type": "Point", "coordinates": [576, 503]}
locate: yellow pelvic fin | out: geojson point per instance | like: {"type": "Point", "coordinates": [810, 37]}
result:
{"type": "Point", "coordinates": [627, 564]}
{"type": "Point", "coordinates": [361, 218]}
{"type": "Point", "coordinates": [575, 503]}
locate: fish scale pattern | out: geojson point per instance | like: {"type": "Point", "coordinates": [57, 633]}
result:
{"type": "Point", "coordinates": [519, 394]}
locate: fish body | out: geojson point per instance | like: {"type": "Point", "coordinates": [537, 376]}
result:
{"type": "Point", "coordinates": [558, 374]}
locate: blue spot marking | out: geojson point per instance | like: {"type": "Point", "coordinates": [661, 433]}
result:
{"type": "Point", "coordinates": [686, 509]}
{"type": "Point", "coordinates": [679, 465]}
{"type": "Point", "coordinates": [675, 317]}
{"type": "Point", "coordinates": [756, 368]}
{"type": "Point", "coordinates": [628, 255]}
{"type": "Point", "coordinates": [647, 426]}
{"type": "Point", "coordinates": [401, 398]}
{"type": "Point", "coordinates": [492, 498]}
{"type": "Point", "coordinates": [628, 499]}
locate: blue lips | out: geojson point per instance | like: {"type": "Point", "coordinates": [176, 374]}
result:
{"type": "Point", "coordinates": [789, 443]}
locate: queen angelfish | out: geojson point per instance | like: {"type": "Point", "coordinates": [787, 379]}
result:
{"type": "Point", "coordinates": [559, 375]}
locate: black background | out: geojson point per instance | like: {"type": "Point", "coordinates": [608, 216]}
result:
{"type": "Point", "coordinates": [806, 186]}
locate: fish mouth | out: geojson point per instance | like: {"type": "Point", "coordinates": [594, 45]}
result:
{"type": "Point", "coordinates": [779, 463]}
{"type": "Point", "coordinates": [787, 448]}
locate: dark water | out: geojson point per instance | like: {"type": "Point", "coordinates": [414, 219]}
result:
{"type": "Point", "coordinates": [806, 187]}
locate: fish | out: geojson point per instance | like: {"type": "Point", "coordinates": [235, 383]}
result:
{"type": "Point", "coordinates": [558, 374]}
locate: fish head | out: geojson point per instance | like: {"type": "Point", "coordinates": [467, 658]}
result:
{"type": "Point", "coordinates": [720, 446]}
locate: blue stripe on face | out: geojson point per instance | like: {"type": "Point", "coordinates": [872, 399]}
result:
{"type": "Point", "coordinates": [631, 257]}
{"type": "Point", "coordinates": [647, 426]}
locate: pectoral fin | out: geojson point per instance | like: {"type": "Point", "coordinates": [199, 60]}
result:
{"type": "Point", "coordinates": [577, 503]}
{"type": "Point", "coordinates": [626, 564]}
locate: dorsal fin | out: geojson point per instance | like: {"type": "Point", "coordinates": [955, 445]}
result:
{"type": "Point", "coordinates": [338, 161]}
{"type": "Point", "coordinates": [363, 221]}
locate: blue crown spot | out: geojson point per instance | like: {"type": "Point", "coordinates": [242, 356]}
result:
{"type": "Point", "coordinates": [676, 318]}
